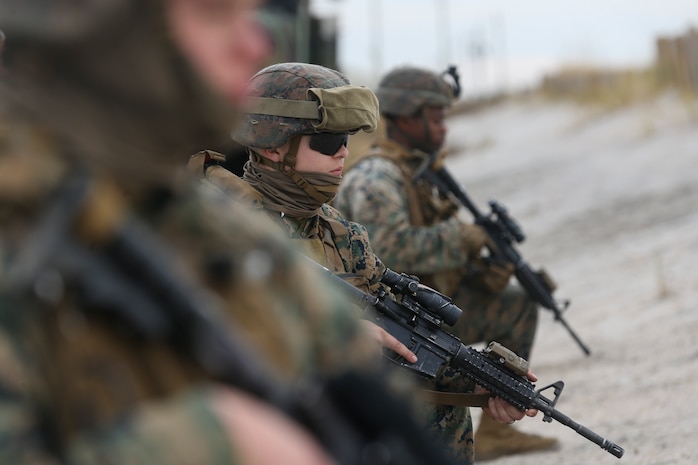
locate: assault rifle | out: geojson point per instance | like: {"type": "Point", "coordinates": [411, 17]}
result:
{"type": "Point", "coordinates": [504, 232]}
{"type": "Point", "coordinates": [416, 321]}
{"type": "Point", "coordinates": [121, 271]}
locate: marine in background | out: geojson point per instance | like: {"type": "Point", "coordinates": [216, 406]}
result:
{"type": "Point", "coordinates": [416, 230]}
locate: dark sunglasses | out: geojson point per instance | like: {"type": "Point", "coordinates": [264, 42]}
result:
{"type": "Point", "coordinates": [328, 143]}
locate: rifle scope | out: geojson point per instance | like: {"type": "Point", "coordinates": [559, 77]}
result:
{"type": "Point", "coordinates": [507, 224]}
{"type": "Point", "coordinates": [432, 300]}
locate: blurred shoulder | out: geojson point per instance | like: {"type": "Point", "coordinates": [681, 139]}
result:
{"type": "Point", "coordinates": [271, 290]}
{"type": "Point", "coordinates": [374, 167]}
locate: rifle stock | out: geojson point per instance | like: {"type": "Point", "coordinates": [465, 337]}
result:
{"type": "Point", "coordinates": [504, 232]}
{"type": "Point", "coordinates": [417, 320]}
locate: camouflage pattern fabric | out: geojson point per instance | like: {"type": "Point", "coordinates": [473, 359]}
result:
{"type": "Point", "coordinates": [374, 193]}
{"type": "Point", "coordinates": [289, 81]}
{"type": "Point", "coordinates": [451, 425]}
{"type": "Point", "coordinates": [509, 317]}
{"type": "Point", "coordinates": [343, 246]}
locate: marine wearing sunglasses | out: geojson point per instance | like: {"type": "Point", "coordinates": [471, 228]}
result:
{"type": "Point", "coordinates": [328, 143]}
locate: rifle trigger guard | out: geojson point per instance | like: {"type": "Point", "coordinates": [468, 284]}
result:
{"type": "Point", "coordinates": [557, 390]}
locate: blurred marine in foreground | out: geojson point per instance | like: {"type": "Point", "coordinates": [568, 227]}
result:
{"type": "Point", "coordinates": [119, 279]}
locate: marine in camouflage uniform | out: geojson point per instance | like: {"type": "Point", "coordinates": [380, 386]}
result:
{"type": "Point", "coordinates": [416, 230]}
{"type": "Point", "coordinates": [297, 200]}
{"type": "Point", "coordinates": [76, 387]}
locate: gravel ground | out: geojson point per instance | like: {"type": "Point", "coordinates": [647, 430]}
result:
{"type": "Point", "coordinates": [609, 202]}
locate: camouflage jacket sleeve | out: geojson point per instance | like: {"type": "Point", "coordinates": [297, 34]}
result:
{"type": "Point", "coordinates": [356, 250]}
{"type": "Point", "coordinates": [181, 430]}
{"type": "Point", "coordinates": [288, 308]}
{"type": "Point", "coordinates": [373, 194]}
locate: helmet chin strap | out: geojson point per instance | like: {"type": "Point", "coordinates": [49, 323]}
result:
{"type": "Point", "coordinates": [425, 128]}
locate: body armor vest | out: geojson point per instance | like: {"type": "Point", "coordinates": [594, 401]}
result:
{"type": "Point", "coordinates": [425, 205]}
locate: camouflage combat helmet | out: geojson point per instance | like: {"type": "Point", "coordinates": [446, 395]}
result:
{"type": "Point", "coordinates": [403, 91]}
{"type": "Point", "coordinates": [290, 99]}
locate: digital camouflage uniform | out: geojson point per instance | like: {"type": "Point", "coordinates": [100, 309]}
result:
{"type": "Point", "coordinates": [417, 231]}
{"type": "Point", "coordinates": [357, 262]}
{"type": "Point", "coordinates": [78, 388]}
{"type": "Point", "coordinates": [373, 194]}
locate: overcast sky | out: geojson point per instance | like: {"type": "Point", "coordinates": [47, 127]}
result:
{"type": "Point", "coordinates": [499, 43]}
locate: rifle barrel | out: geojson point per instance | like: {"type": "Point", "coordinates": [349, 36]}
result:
{"type": "Point", "coordinates": [605, 444]}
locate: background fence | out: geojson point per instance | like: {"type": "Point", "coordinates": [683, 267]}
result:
{"type": "Point", "coordinates": [677, 60]}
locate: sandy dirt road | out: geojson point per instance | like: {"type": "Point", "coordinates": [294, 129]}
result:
{"type": "Point", "coordinates": [609, 203]}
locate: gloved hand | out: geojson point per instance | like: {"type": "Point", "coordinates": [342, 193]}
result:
{"type": "Point", "coordinates": [474, 239]}
{"type": "Point", "coordinates": [495, 277]}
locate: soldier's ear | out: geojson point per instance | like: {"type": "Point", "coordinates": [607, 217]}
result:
{"type": "Point", "coordinates": [406, 124]}
{"type": "Point", "coordinates": [274, 155]}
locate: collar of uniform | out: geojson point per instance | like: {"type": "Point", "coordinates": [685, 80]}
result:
{"type": "Point", "coordinates": [301, 228]}
{"type": "Point", "coordinates": [404, 152]}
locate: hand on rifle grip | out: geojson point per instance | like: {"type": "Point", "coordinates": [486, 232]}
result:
{"type": "Point", "coordinates": [496, 276]}
{"type": "Point", "coordinates": [474, 240]}
{"type": "Point", "coordinates": [386, 340]}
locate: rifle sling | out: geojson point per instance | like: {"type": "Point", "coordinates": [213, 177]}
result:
{"type": "Point", "coordinates": [457, 398]}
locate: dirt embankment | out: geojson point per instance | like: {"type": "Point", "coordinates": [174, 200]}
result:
{"type": "Point", "coordinates": [609, 202]}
